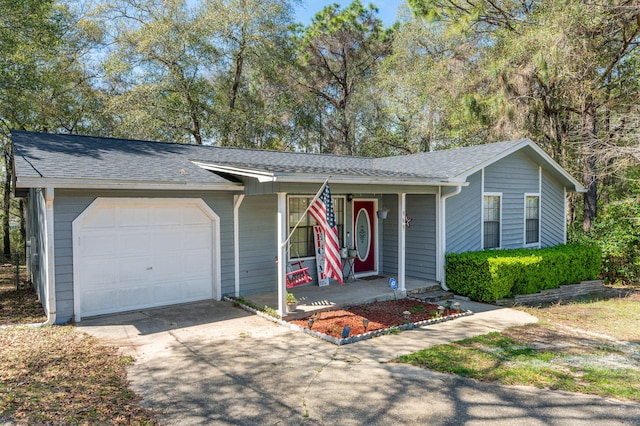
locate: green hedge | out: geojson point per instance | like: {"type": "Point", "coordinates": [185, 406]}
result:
{"type": "Point", "coordinates": [490, 275]}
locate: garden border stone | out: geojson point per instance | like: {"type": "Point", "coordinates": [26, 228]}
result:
{"type": "Point", "coordinates": [350, 339]}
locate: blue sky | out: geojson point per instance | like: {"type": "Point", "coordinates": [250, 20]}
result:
{"type": "Point", "coordinates": [388, 9]}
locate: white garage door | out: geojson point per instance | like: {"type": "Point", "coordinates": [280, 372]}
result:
{"type": "Point", "coordinates": [138, 253]}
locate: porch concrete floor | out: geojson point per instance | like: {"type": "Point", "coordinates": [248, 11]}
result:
{"type": "Point", "coordinates": [313, 298]}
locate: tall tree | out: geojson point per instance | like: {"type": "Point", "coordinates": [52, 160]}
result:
{"type": "Point", "coordinates": [338, 53]}
{"type": "Point", "coordinates": [253, 39]}
{"type": "Point", "coordinates": [156, 75]}
{"type": "Point", "coordinates": [559, 64]}
{"type": "Point", "coordinates": [44, 85]}
{"type": "Point", "coordinates": [198, 72]}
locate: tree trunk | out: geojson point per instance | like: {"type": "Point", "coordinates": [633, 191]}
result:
{"type": "Point", "coordinates": [237, 75]}
{"type": "Point", "coordinates": [589, 165]}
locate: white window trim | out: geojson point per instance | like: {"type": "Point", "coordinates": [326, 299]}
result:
{"type": "Point", "coordinates": [290, 256]}
{"type": "Point", "coordinates": [490, 194]}
{"type": "Point", "coordinates": [524, 218]}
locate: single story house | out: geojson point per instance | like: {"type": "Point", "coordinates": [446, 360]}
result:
{"type": "Point", "coordinates": [116, 225]}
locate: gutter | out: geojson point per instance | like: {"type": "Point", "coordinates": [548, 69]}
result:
{"type": "Point", "coordinates": [443, 232]}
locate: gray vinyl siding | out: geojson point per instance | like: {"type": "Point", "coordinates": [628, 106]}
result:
{"type": "Point", "coordinates": [463, 217]}
{"type": "Point", "coordinates": [36, 233]}
{"type": "Point", "coordinates": [552, 216]}
{"type": "Point", "coordinates": [512, 176]}
{"type": "Point", "coordinates": [421, 237]}
{"type": "Point", "coordinates": [389, 237]}
{"type": "Point", "coordinates": [258, 244]}
{"type": "Point", "coordinates": [69, 204]}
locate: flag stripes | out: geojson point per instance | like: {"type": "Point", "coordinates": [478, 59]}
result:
{"type": "Point", "coordinates": [322, 212]}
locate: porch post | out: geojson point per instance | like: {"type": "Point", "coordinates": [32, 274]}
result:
{"type": "Point", "coordinates": [402, 209]}
{"type": "Point", "coordinates": [282, 253]}
{"type": "Point", "coordinates": [237, 201]}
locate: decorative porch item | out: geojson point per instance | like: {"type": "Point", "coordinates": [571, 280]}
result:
{"type": "Point", "coordinates": [382, 213]}
{"type": "Point", "coordinates": [298, 276]}
{"type": "Point", "coordinates": [394, 286]}
{"type": "Point", "coordinates": [320, 244]}
{"type": "Point", "coordinates": [292, 302]}
{"type": "Point", "coordinates": [407, 221]}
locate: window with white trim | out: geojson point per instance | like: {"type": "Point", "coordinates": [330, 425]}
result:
{"type": "Point", "coordinates": [532, 219]}
{"type": "Point", "coordinates": [301, 242]}
{"type": "Point", "coordinates": [491, 217]}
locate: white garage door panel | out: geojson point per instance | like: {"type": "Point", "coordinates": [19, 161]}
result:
{"type": "Point", "coordinates": [98, 244]}
{"type": "Point", "coordinates": [140, 253]}
{"type": "Point", "coordinates": [99, 272]}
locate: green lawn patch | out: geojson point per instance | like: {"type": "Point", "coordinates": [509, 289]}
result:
{"type": "Point", "coordinates": [590, 345]}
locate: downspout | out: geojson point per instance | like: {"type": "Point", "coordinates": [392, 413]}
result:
{"type": "Point", "coordinates": [49, 259]}
{"type": "Point", "coordinates": [443, 234]}
{"type": "Point", "coordinates": [237, 201]}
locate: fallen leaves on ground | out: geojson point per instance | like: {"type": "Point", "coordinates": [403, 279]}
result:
{"type": "Point", "coordinates": [18, 306]}
{"type": "Point", "coordinates": [57, 375]}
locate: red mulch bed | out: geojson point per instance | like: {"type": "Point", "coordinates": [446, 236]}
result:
{"type": "Point", "coordinates": [381, 315]}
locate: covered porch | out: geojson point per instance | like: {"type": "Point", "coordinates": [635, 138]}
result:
{"type": "Point", "coordinates": [312, 298]}
{"type": "Point", "coordinates": [412, 258]}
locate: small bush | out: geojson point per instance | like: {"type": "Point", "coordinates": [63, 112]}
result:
{"type": "Point", "coordinates": [487, 276]}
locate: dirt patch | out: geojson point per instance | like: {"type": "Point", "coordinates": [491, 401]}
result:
{"type": "Point", "coordinates": [380, 315]}
{"type": "Point", "coordinates": [614, 312]}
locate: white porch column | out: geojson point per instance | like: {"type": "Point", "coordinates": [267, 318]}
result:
{"type": "Point", "coordinates": [402, 209]}
{"type": "Point", "coordinates": [282, 253]}
{"type": "Point", "coordinates": [237, 201]}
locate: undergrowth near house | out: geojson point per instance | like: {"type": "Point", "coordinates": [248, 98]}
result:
{"type": "Point", "coordinates": [18, 305]}
{"type": "Point", "coordinates": [591, 346]}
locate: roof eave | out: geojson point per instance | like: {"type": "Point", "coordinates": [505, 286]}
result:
{"type": "Point", "coordinates": [65, 183]}
{"type": "Point", "coordinates": [260, 175]}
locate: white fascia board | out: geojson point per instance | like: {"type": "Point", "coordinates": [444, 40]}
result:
{"type": "Point", "coordinates": [28, 182]}
{"type": "Point", "coordinates": [256, 174]}
{"type": "Point", "coordinates": [524, 143]}
{"type": "Point", "coordinates": [368, 180]}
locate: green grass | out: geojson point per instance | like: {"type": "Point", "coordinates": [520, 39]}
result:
{"type": "Point", "coordinates": [546, 355]}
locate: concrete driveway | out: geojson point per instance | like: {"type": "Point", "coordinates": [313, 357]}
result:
{"type": "Point", "coordinates": [209, 363]}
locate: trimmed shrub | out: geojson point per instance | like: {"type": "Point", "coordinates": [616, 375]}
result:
{"type": "Point", "coordinates": [490, 275]}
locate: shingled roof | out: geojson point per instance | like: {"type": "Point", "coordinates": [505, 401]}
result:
{"type": "Point", "coordinates": [68, 160]}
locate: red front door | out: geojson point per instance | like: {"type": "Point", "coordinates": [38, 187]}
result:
{"type": "Point", "coordinates": [364, 227]}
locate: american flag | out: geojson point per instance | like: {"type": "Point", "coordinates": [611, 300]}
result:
{"type": "Point", "coordinates": [322, 211]}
